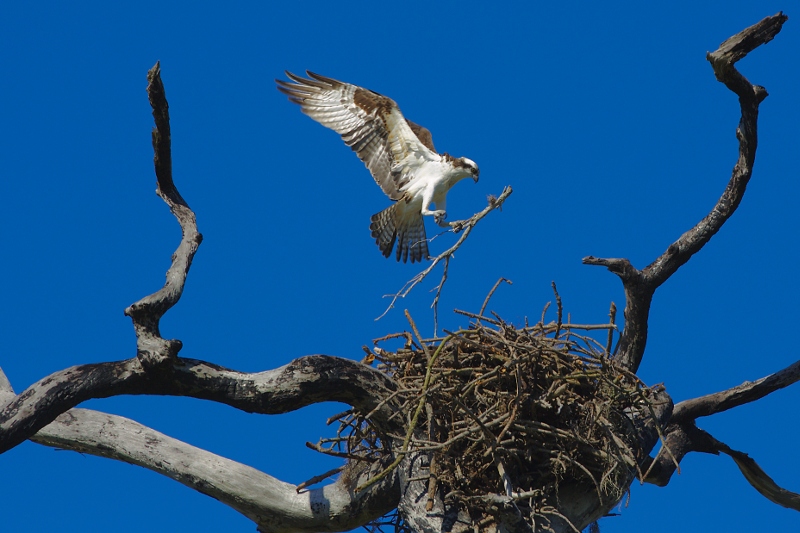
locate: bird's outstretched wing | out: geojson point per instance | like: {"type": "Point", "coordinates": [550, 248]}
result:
{"type": "Point", "coordinates": [369, 123]}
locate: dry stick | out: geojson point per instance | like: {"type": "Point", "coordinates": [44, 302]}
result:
{"type": "Point", "coordinates": [342, 455]}
{"type": "Point", "coordinates": [316, 479]}
{"type": "Point", "coordinates": [544, 312]}
{"type": "Point", "coordinates": [612, 313]}
{"type": "Point", "coordinates": [470, 224]}
{"type": "Point", "coordinates": [438, 293]}
{"type": "Point", "coordinates": [419, 337]}
{"type": "Point", "coordinates": [560, 309]}
{"type": "Point", "coordinates": [404, 334]}
{"type": "Point", "coordinates": [552, 511]}
{"type": "Point", "coordinates": [343, 414]}
{"type": "Point", "coordinates": [478, 317]}
{"type": "Point", "coordinates": [551, 326]}
{"type": "Point", "coordinates": [486, 301]}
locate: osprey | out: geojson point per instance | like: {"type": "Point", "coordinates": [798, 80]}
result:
{"type": "Point", "coordinates": [399, 154]}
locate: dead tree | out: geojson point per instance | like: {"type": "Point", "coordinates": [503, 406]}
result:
{"type": "Point", "coordinates": [536, 410]}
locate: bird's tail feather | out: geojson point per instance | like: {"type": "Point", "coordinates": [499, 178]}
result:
{"type": "Point", "coordinates": [409, 232]}
{"type": "Point", "coordinates": [384, 229]}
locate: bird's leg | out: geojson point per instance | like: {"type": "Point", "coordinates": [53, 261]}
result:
{"type": "Point", "coordinates": [439, 214]}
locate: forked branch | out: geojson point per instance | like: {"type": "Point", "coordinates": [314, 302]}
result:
{"type": "Point", "coordinates": [640, 285]}
{"type": "Point", "coordinates": [44, 412]}
{"type": "Point", "coordinates": [464, 226]}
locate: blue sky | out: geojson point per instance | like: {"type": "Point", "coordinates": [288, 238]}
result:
{"type": "Point", "coordinates": [606, 120]}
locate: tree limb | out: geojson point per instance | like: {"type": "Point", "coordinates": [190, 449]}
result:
{"type": "Point", "coordinates": [683, 436]}
{"type": "Point", "coordinates": [747, 392]}
{"type": "Point", "coordinates": [686, 437]}
{"type": "Point", "coordinates": [156, 370]}
{"type": "Point", "coordinates": [302, 382]}
{"type": "Point", "coordinates": [277, 507]}
{"type": "Point", "coordinates": [152, 350]}
{"type": "Point", "coordinates": [640, 285]}
{"type": "Point", "coordinates": [680, 439]}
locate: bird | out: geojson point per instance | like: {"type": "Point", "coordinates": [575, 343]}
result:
{"type": "Point", "coordinates": [398, 153]}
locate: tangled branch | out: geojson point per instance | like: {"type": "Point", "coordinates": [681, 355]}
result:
{"type": "Point", "coordinates": [506, 412]}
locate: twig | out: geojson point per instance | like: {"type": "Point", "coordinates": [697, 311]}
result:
{"type": "Point", "coordinates": [560, 309]}
{"type": "Point", "coordinates": [486, 301]}
{"type": "Point", "coordinates": [467, 229]}
{"type": "Point", "coordinates": [438, 293]}
{"type": "Point", "coordinates": [343, 455]}
{"type": "Point", "coordinates": [612, 314]}
{"type": "Point", "coordinates": [478, 317]}
{"type": "Point", "coordinates": [419, 337]}
{"type": "Point", "coordinates": [316, 479]}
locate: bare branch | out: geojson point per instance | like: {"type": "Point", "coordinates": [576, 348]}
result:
{"type": "Point", "coordinates": [275, 506]}
{"type": "Point", "coordinates": [6, 390]}
{"type": "Point", "coordinates": [304, 381]}
{"type": "Point", "coordinates": [761, 481]}
{"type": "Point", "coordinates": [684, 438]}
{"type": "Point", "coordinates": [640, 285]}
{"type": "Point", "coordinates": [466, 226]}
{"type": "Point", "coordinates": [152, 350]}
{"type": "Point", "coordinates": [680, 439]}
{"type": "Point", "coordinates": [737, 47]}
{"type": "Point", "coordinates": [747, 392]}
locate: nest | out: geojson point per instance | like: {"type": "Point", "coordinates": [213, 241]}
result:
{"type": "Point", "coordinates": [504, 410]}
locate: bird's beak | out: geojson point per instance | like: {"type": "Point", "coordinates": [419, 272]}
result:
{"type": "Point", "coordinates": [475, 177]}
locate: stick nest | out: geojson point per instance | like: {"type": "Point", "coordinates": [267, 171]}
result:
{"type": "Point", "coordinates": [509, 411]}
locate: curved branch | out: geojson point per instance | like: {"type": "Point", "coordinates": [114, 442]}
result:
{"type": "Point", "coordinates": [747, 392]}
{"type": "Point", "coordinates": [640, 285]}
{"type": "Point", "coordinates": [275, 506]}
{"type": "Point", "coordinates": [304, 381]}
{"type": "Point", "coordinates": [685, 438]}
{"type": "Point", "coordinates": [152, 350]}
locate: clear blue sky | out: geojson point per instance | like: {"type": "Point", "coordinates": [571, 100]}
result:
{"type": "Point", "coordinates": [607, 121]}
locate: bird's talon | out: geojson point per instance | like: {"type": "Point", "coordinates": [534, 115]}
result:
{"type": "Point", "coordinates": [457, 226]}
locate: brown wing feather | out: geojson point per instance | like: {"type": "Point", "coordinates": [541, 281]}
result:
{"type": "Point", "coordinates": [358, 115]}
{"type": "Point", "coordinates": [423, 134]}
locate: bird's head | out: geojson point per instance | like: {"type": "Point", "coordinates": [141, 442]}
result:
{"type": "Point", "coordinates": [469, 166]}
